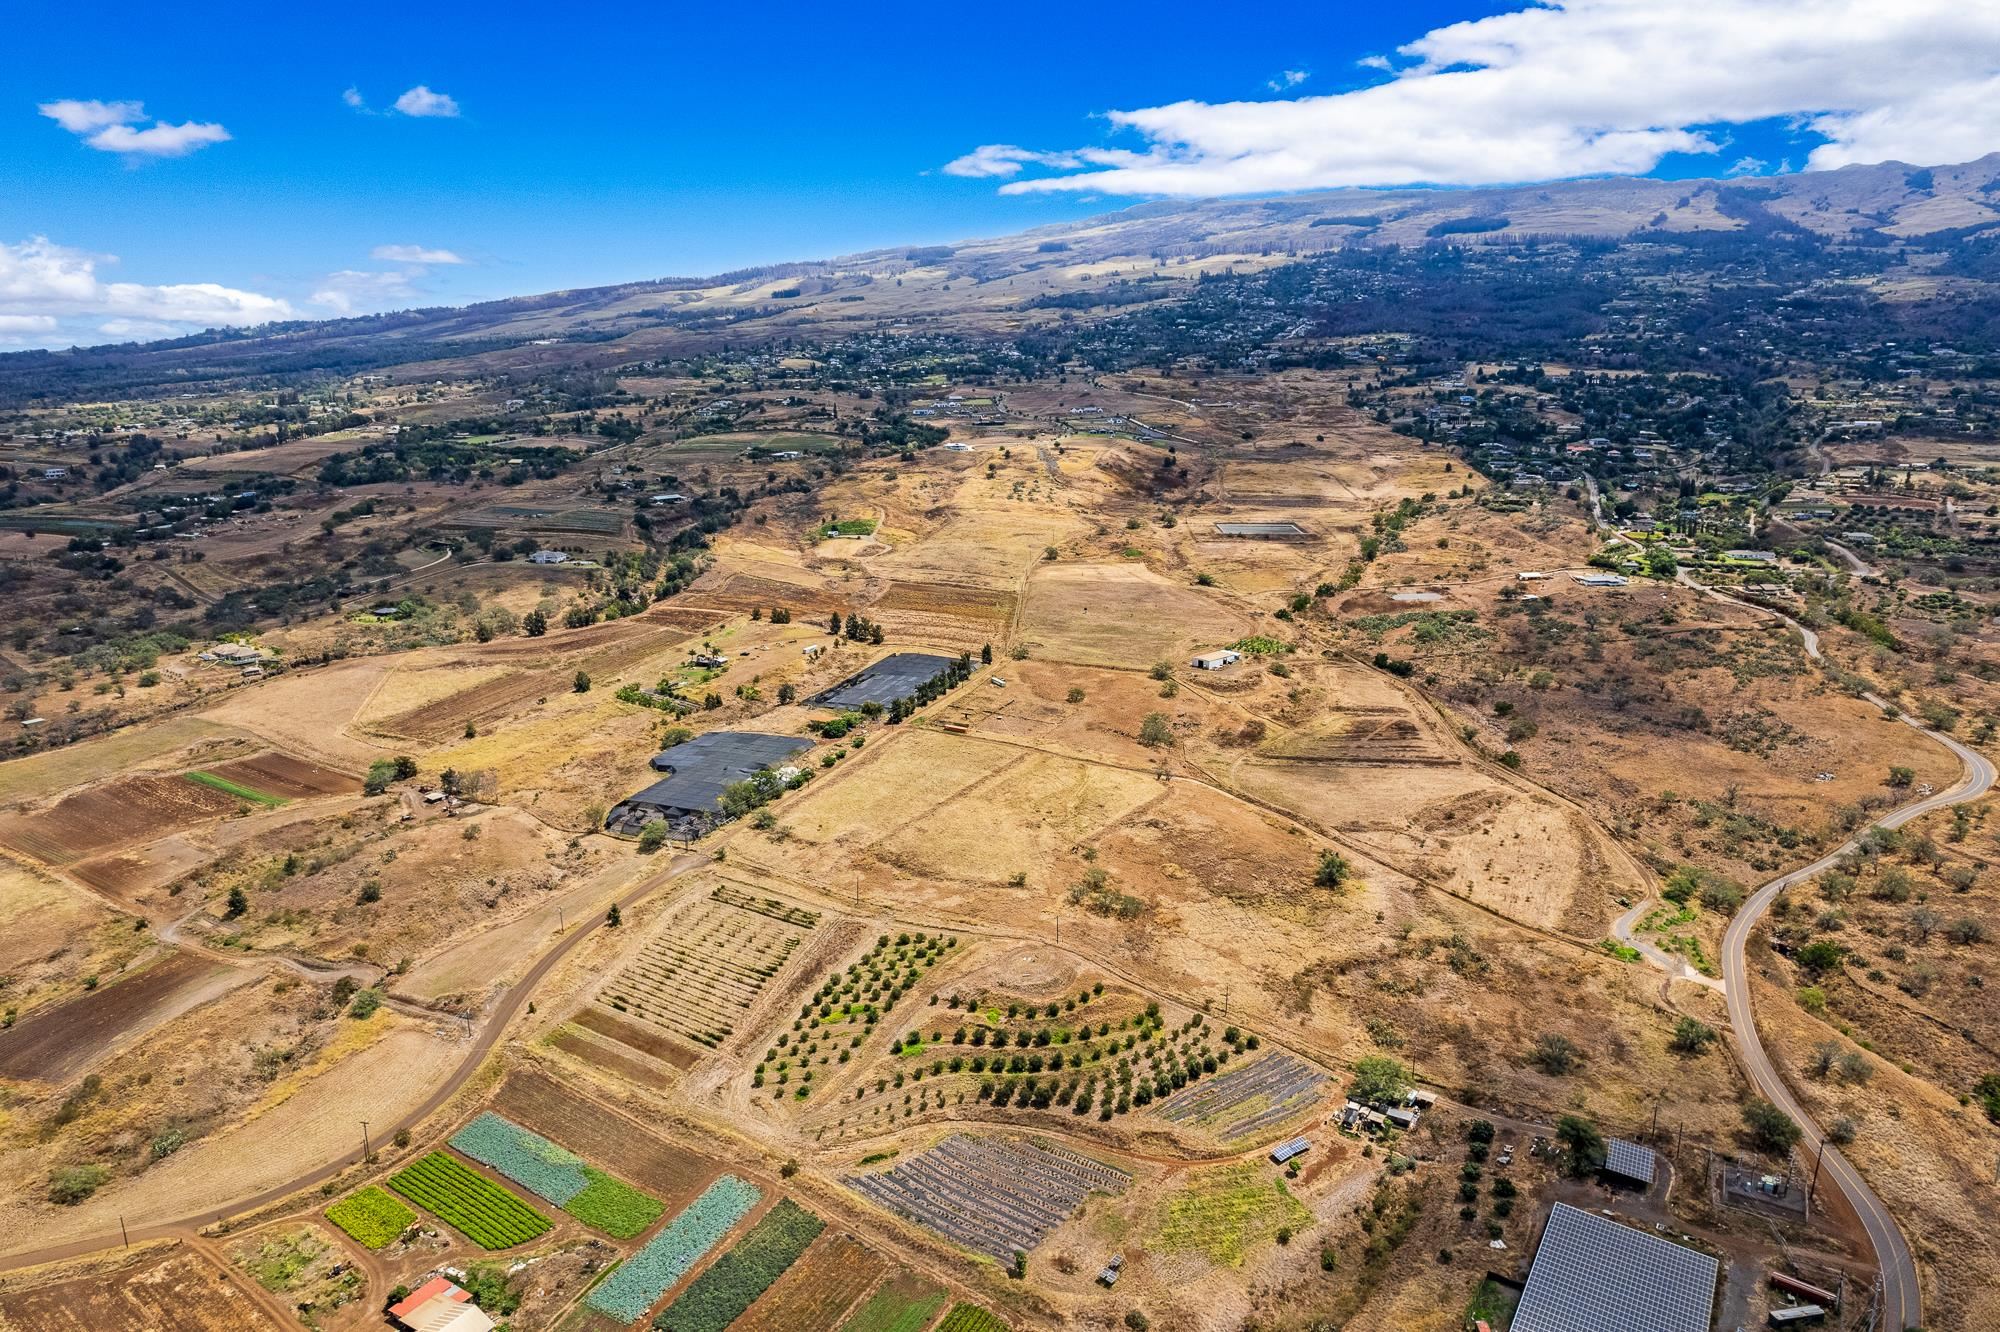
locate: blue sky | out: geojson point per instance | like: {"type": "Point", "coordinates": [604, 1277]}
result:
{"type": "Point", "coordinates": [597, 143]}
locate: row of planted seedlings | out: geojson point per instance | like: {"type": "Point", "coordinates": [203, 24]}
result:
{"type": "Point", "coordinates": [1109, 1065]}
{"type": "Point", "coordinates": [845, 1010]}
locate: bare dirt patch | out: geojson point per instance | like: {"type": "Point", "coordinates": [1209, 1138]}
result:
{"type": "Point", "coordinates": [61, 1042]}
{"type": "Point", "coordinates": [286, 777]}
{"type": "Point", "coordinates": [180, 1292]}
{"type": "Point", "coordinates": [134, 809]}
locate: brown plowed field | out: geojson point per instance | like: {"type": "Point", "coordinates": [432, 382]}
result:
{"type": "Point", "coordinates": [592, 1018]}
{"type": "Point", "coordinates": [57, 1043]}
{"type": "Point", "coordinates": [953, 599]}
{"type": "Point", "coordinates": [128, 874]}
{"type": "Point", "coordinates": [608, 1140]}
{"type": "Point", "coordinates": [287, 777]}
{"type": "Point", "coordinates": [179, 1293]}
{"type": "Point", "coordinates": [440, 721]}
{"type": "Point", "coordinates": [816, 1290]}
{"type": "Point", "coordinates": [611, 1058]}
{"type": "Point", "coordinates": [132, 809]}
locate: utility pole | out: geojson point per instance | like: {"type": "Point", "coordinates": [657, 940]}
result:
{"type": "Point", "coordinates": [1812, 1189]}
{"type": "Point", "coordinates": [123, 1234]}
{"type": "Point", "coordinates": [366, 1150]}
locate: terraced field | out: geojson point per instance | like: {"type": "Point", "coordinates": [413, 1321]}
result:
{"type": "Point", "coordinates": [996, 1196]}
{"type": "Point", "coordinates": [704, 968]}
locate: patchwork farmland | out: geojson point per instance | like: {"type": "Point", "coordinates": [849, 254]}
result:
{"type": "Point", "coordinates": [995, 1196]}
{"type": "Point", "coordinates": [705, 967]}
{"type": "Point", "coordinates": [818, 1289]}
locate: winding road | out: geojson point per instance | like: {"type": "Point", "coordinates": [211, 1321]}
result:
{"type": "Point", "coordinates": [1902, 1293]}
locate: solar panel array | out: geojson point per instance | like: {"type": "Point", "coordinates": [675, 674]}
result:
{"type": "Point", "coordinates": [1595, 1275]}
{"type": "Point", "coordinates": [1629, 1160]}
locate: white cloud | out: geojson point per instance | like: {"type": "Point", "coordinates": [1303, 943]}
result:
{"type": "Point", "coordinates": [354, 99]}
{"type": "Point", "coordinates": [18, 329]}
{"type": "Point", "coordinates": [86, 117]}
{"type": "Point", "coordinates": [413, 254]}
{"type": "Point", "coordinates": [421, 101]}
{"type": "Point", "coordinates": [45, 288]}
{"type": "Point", "coordinates": [1575, 88]}
{"type": "Point", "coordinates": [137, 330]}
{"type": "Point", "coordinates": [352, 291]}
{"type": "Point", "coordinates": [1287, 80]}
{"type": "Point", "coordinates": [109, 127]}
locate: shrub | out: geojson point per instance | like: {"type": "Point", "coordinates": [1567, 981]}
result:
{"type": "Point", "coordinates": [72, 1185]}
{"type": "Point", "coordinates": [1770, 1129]}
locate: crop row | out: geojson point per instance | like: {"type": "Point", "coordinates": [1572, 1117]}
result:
{"type": "Point", "coordinates": [719, 1296]}
{"type": "Point", "coordinates": [481, 1210]}
{"type": "Point", "coordinates": [670, 1255]}
{"type": "Point", "coordinates": [902, 1304]}
{"type": "Point", "coordinates": [530, 1160]}
{"type": "Point", "coordinates": [970, 1318]}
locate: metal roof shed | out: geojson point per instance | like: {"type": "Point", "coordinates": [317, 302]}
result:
{"type": "Point", "coordinates": [1285, 1151]}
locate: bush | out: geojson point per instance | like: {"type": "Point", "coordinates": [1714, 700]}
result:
{"type": "Point", "coordinates": [71, 1186]}
{"type": "Point", "coordinates": [1333, 870]}
{"type": "Point", "coordinates": [1155, 731]}
{"type": "Point", "coordinates": [1555, 1055]}
{"type": "Point", "coordinates": [1771, 1129]}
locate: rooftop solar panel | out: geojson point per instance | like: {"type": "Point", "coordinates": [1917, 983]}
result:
{"type": "Point", "coordinates": [1629, 1160]}
{"type": "Point", "coordinates": [1595, 1275]}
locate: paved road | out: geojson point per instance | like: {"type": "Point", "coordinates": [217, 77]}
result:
{"type": "Point", "coordinates": [1902, 1294]}
{"type": "Point", "coordinates": [510, 1004]}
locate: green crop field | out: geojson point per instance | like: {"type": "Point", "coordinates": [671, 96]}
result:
{"type": "Point", "coordinates": [904, 1303]}
{"type": "Point", "coordinates": [239, 791]}
{"type": "Point", "coordinates": [970, 1318]}
{"type": "Point", "coordinates": [472, 1204]}
{"type": "Point", "coordinates": [371, 1217]}
{"type": "Point", "coordinates": [733, 1282]}
{"type": "Point", "coordinates": [613, 1206]}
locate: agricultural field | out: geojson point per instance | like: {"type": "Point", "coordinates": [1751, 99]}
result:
{"type": "Point", "coordinates": [1249, 1101]}
{"type": "Point", "coordinates": [703, 969]}
{"type": "Point", "coordinates": [557, 1176]}
{"type": "Point", "coordinates": [903, 1303]}
{"type": "Point", "coordinates": [64, 1039]}
{"type": "Point", "coordinates": [819, 1288]}
{"type": "Point", "coordinates": [996, 1196]}
{"type": "Point", "coordinates": [305, 1266]}
{"type": "Point", "coordinates": [843, 1013]}
{"type": "Point", "coordinates": [475, 1206]}
{"type": "Point", "coordinates": [718, 1297]}
{"type": "Point", "coordinates": [371, 1217]}
{"type": "Point", "coordinates": [179, 1290]}
{"type": "Point", "coordinates": [1090, 1055]}
{"type": "Point", "coordinates": [1223, 1212]}
{"type": "Point", "coordinates": [970, 1318]}
{"type": "Point", "coordinates": [282, 777]}
{"type": "Point", "coordinates": [672, 1253]}
{"type": "Point", "coordinates": [1120, 615]}
{"type": "Point", "coordinates": [673, 1174]}
{"type": "Point", "coordinates": [130, 809]}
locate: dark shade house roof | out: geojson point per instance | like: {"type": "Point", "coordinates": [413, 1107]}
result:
{"type": "Point", "coordinates": [1628, 1160]}
{"type": "Point", "coordinates": [703, 766]}
{"type": "Point", "coordinates": [1594, 1275]}
{"type": "Point", "coordinates": [897, 675]}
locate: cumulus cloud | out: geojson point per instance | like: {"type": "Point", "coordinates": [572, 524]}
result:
{"type": "Point", "coordinates": [413, 254]}
{"type": "Point", "coordinates": [355, 291]}
{"type": "Point", "coordinates": [111, 127]}
{"type": "Point", "coordinates": [1574, 88]}
{"type": "Point", "coordinates": [45, 287]}
{"type": "Point", "coordinates": [1287, 80]}
{"type": "Point", "coordinates": [354, 99]}
{"type": "Point", "coordinates": [421, 101]}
